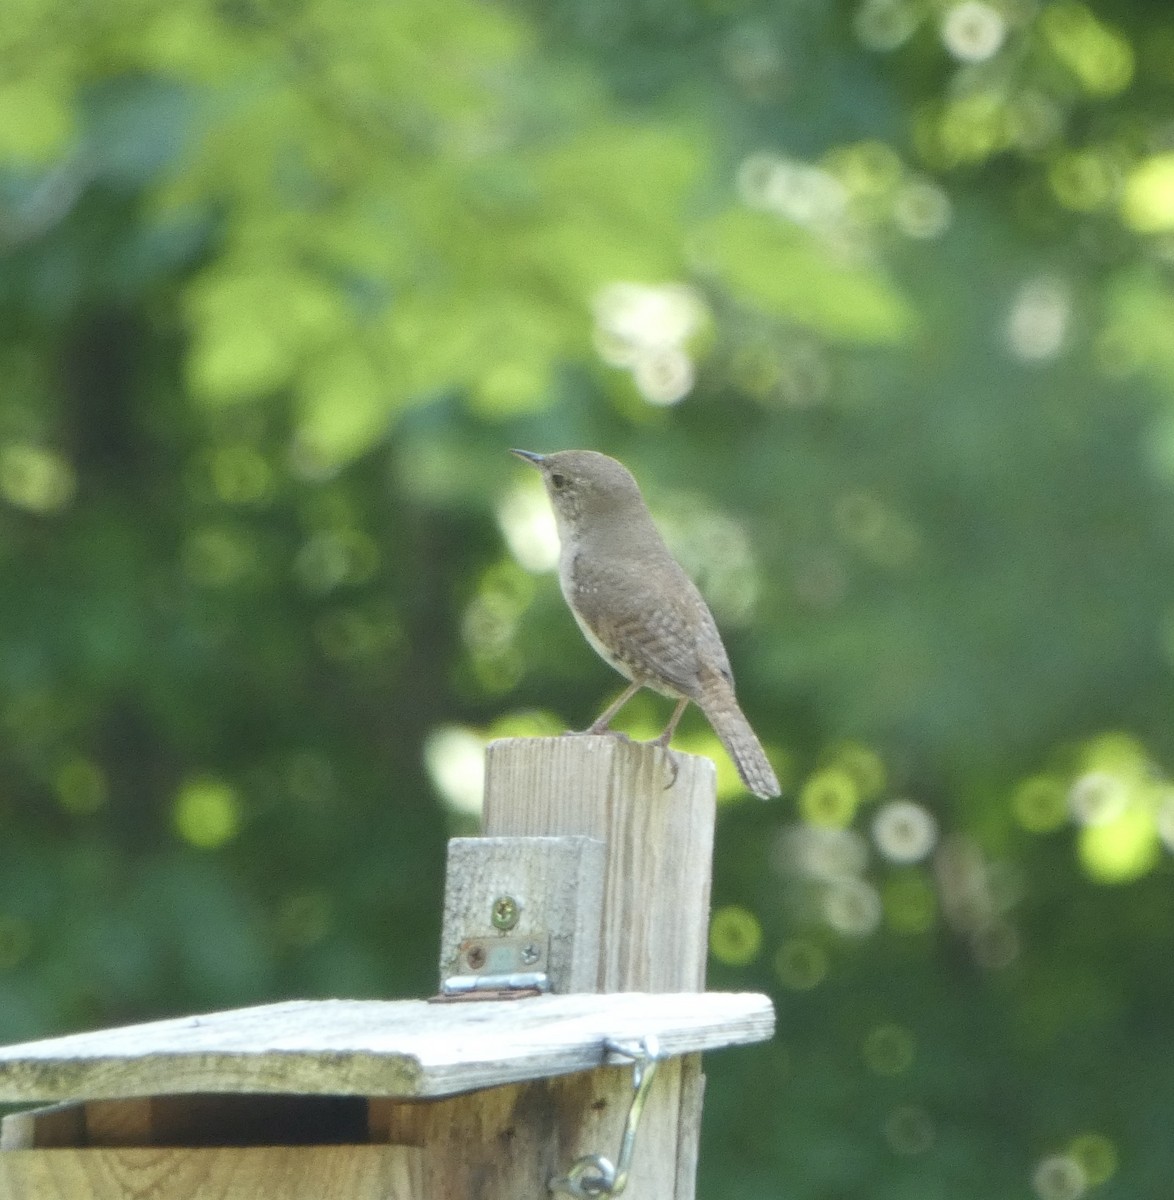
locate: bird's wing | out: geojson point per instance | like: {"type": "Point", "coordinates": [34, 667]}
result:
{"type": "Point", "coordinates": [662, 635]}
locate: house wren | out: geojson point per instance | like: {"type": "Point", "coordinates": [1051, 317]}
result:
{"type": "Point", "coordinates": [638, 608]}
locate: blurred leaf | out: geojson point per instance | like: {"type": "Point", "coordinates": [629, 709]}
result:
{"type": "Point", "coordinates": [786, 273]}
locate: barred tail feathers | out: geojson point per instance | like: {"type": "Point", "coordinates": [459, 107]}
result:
{"type": "Point", "coordinates": [722, 711]}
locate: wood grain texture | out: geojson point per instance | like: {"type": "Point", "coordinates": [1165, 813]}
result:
{"type": "Point", "coordinates": [557, 883]}
{"type": "Point", "coordinates": [509, 1142]}
{"type": "Point", "coordinates": [655, 811]}
{"type": "Point", "coordinates": [403, 1048]}
{"type": "Point", "coordinates": [658, 830]}
{"type": "Point", "coordinates": [288, 1172]}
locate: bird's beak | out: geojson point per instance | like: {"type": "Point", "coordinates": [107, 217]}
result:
{"type": "Point", "coordinates": [535, 459]}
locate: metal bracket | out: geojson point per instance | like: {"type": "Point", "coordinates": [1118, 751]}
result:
{"type": "Point", "coordinates": [502, 964]}
{"type": "Point", "coordinates": [594, 1174]}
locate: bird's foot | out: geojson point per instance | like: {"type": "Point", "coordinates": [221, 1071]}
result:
{"type": "Point", "coordinates": [673, 763]}
{"type": "Point", "coordinates": [663, 742]}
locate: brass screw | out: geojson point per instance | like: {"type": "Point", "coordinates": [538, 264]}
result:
{"type": "Point", "coordinates": [505, 912]}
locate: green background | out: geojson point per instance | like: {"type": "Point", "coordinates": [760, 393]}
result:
{"type": "Point", "coordinates": [876, 300]}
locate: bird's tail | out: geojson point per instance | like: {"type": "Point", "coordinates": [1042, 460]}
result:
{"type": "Point", "coordinates": [722, 711]}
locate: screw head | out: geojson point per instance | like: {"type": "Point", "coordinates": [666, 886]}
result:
{"type": "Point", "coordinates": [475, 957]}
{"type": "Point", "coordinates": [530, 954]}
{"type": "Point", "coordinates": [505, 912]}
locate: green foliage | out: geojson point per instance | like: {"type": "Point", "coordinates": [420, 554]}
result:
{"type": "Point", "coordinates": [875, 299]}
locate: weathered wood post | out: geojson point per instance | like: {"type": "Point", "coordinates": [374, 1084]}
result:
{"type": "Point", "coordinates": [592, 880]}
{"type": "Point", "coordinates": [654, 812]}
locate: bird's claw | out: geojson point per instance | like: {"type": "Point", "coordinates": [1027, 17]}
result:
{"type": "Point", "coordinates": [676, 766]}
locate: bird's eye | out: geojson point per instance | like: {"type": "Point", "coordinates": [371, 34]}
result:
{"type": "Point", "coordinates": [558, 482]}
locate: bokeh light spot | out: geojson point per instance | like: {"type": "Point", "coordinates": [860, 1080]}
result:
{"type": "Point", "coordinates": [1037, 324]}
{"type": "Point", "coordinates": [1147, 203]}
{"type": "Point", "coordinates": [1059, 1177]}
{"type": "Point", "coordinates": [820, 852]}
{"type": "Point", "coordinates": [1098, 797]}
{"type": "Point", "coordinates": [830, 797]}
{"type": "Point", "coordinates": [885, 24]}
{"type": "Point", "coordinates": [81, 786]}
{"type": "Point", "coordinates": [527, 523]}
{"type": "Point", "coordinates": [1040, 804]}
{"type": "Point", "coordinates": [904, 832]}
{"type": "Point", "coordinates": [889, 1049]}
{"type": "Point", "coordinates": [1084, 180]}
{"type": "Point", "coordinates": [35, 478]}
{"type": "Point", "coordinates": [922, 210]}
{"type": "Point", "coordinates": [852, 907]}
{"type": "Point", "coordinates": [735, 936]}
{"type": "Point", "coordinates": [1099, 57]}
{"type": "Point", "coordinates": [240, 475]}
{"type": "Point", "coordinates": [863, 763]}
{"type": "Point", "coordinates": [973, 31]}
{"type": "Point", "coordinates": [455, 760]}
{"type": "Point", "coordinates": [1097, 1156]}
{"type": "Point", "coordinates": [214, 556]}
{"type": "Point", "coordinates": [646, 329]}
{"type": "Point", "coordinates": [801, 964]}
{"type": "Point", "coordinates": [207, 813]}
{"type": "Point", "coordinates": [1122, 849]}
{"type": "Point", "coordinates": [909, 1130]}
{"type": "Point", "coordinates": [337, 557]}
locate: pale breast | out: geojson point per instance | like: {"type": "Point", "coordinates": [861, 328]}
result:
{"type": "Point", "coordinates": [644, 624]}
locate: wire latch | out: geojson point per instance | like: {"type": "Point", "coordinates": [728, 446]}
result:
{"type": "Point", "coordinates": [594, 1174]}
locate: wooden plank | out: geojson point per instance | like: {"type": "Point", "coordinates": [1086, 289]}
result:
{"type": "Point", "coordinates": [655, 811]}
{"type": "Point", "coordinates": [557, 884]}
{"type": "Point", "coordinates": [285, 1172]}
{"type": "Point", "coordinates": [658, 829]}
{"type": "Point", "coordinates": [509, 1142]}
{"type": "Point", "coordinates": [120, 1122]}
{"type": "Point", "coordinates": [405, 1048]}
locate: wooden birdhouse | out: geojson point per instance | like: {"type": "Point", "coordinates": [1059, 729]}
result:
{"type": "Point", "coordinates": [561, 1054]}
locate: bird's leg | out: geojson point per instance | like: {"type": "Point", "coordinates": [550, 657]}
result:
{"type": "Point", "coordinates": [671, 727]}
{"type": "Point", "coordinates": [600, 724]}
{"type": "Point", "coordinates": [667, 737]}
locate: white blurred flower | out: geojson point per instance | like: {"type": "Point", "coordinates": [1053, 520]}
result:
{"type": "Point", "coordinates": [852, 907]}
{"type": "Point", "coordinates": [664, 377]}
{"type": "Point", "coordinates": [527, 524]}
{"type": "Point", "coordinates": [802, 193]}
{"type": "Point", "coordinates": [455, 759]}
{"type": "Point", "coordinates": [922, 210]}
{"type": "Point", "coordinates": [646, 329]}
{"type": "Point", "coordinates": [973, 31]}
{"type": "Point", "coordinates": [1038, 322]}
{"type": "Point", "coordinates": [821, 852]}
{"type": "Point", "coordinates": [634, 319]}
{"type": "Point", "coordinates": [904, 832]}
{"type": "Point", "coordinates": [1059, 1177]}
{"type": "Point", "coordinates": [884, 24]}
{"type": "Point", "coordinates": [1098, 797]}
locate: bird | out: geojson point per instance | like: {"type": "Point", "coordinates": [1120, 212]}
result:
{"type": "Point", "coordinates": [638, 608]}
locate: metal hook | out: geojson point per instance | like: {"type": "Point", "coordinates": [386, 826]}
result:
{"type": "Point", "coordinates": [594, 1174]}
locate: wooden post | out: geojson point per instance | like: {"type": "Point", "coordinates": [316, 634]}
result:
{"type": "Point", "coordinates": [598, 854]}
{"type": "Point", "coordinates": [657, 827]}
{"type": "Point", "coordinates": [655, 813]}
